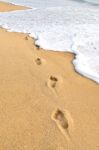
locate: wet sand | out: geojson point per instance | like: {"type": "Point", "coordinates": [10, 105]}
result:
{"type": "Point", "coordinates": [44, 103]}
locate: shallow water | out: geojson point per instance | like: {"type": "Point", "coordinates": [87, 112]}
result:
{"type": "Point", "coordinates": [62, 25]}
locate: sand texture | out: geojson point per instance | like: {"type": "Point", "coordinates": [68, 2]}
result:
{"type": "Point", "coordinates": [9, 7]}
{"type": "Point", "coordinates": [44, 103]}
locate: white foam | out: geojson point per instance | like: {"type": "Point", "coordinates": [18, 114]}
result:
{"type": "Point", "coordinates": [61, 25]}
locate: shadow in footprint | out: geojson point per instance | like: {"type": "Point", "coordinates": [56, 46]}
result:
{"type": "Point", "coordinates": [59, 115]}
{"type": "Point", "coordinates": [63, 121]}
{"type": "Point", "coordinates": [38, 61]}
{"type": "Point", "coordinates": [53, 81]}
{"type": "Point", "coordinates": [37, 47]}
{"type": "Point", "coordinates": [26, 38]}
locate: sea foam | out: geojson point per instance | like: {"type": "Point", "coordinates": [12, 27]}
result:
{"type": "Point", "coordinates": [61, 25]}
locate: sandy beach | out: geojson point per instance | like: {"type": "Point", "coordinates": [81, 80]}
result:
{"type": "Point", "coordinates": [44, 103]}
{"type": "Point", "coordinates": [9, 7]}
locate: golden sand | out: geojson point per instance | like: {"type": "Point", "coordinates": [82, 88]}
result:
{"type": "Point", "coordinates": [44, 103]}
{"type": "Point", "coordinates": [9, 7]}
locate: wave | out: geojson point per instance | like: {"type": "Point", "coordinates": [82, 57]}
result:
{"type": "Point", "coordinates": [61, 25]}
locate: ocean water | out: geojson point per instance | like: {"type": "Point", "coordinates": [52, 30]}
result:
{"type": "Point", "coordinates": [61, 25]}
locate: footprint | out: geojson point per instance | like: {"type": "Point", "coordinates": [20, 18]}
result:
{"type": "Point", "coordinates": [53, 81]}
{"type": "Point", "coordinates": [26, 38]}
{"type": "Point", "coordinates": [64, 122]}
{"type": "Point", "coordinates": [39, 61]}
{"type": "Point", "coordinates": [59, 115]}
{"type": "Point", "coordinates": [37, 46]}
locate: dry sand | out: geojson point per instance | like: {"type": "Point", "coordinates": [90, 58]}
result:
{"type": "Point", "coordinates": [44, 103]}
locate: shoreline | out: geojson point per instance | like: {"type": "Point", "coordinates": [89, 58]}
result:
{"type": "Point", "coordinates": [81, 64]}
{"type": "Point", "coordinates": [44, 103]}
